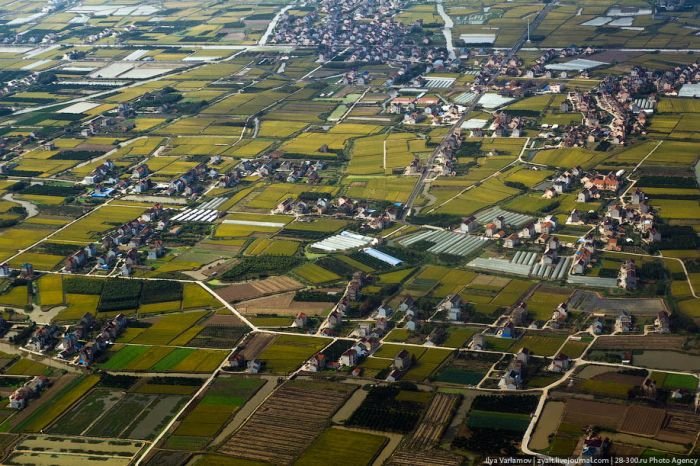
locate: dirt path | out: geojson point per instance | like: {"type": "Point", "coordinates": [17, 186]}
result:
{"type": "Point", "coordinates": [354, 402]}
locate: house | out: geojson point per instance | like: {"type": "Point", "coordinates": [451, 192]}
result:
{"type": "Point", "coordinates": [627, 276]}
{"type": "Point", "coordinates": [511, 241]}
{"type": "Point", "coordinates": [253, 367]}
{"type": "Point", "coordinates": [237, 361]}
{"type": "Point", "coordinates": [596, 327]}
{"type": "Point", "coordinates": [607, 182]}
{"type": "Point", "coordinates": [406, 304]}
{"type": "Point", "coordinates": [561, 313]}
{"type": "Point", "coordinates": [500, 222]}
{"type": "Point", "coordinates": [519, 314]}
{"type": "Point", "coordinates": [402, 361]}
{"type": "Point", "coordinates": [623, 322]}
{"type": "Point", "coordinates": [317, 362]}
{"type": "Point", "coordinates": [545, 225]}
{"type": "Point", "coordinates": [560, 363]}
{"type": "Point", "coordinates": [335, 319]}
{"type": "Point", "coordinates": [638, 197]}
{"type": "Point", "coordinates": [513, 377]}
{"type": "Point", "coordinates": [299, 320]}
{"type": "Point", "coordinates": [410, 325]}
{"type": "Point", "coordinates": [468, 225]}
{"type": "Point", "coordinates": [383, 312]}
{"type": "Point", "coordinates": [507, 330]}
{"type": "Point", "coordinates": [584, 196]}
{"type": "Point", "coordinates": [491, 230]}
{"type": "Point", "coordinates": [594, 446]}
{"type": "Point", "coordinates": [575, 218]}
{"type": "Point", "coordinates": [348, 358]}
{"type": "Point", "coordinates": [393, 376]}
{"type": "Point", "coordinates": [549, 193]}
{"type": "Point", "coordinates": [156, 250]}
{"type": "Point", "coordinates": [662, 323]}
{"type": "Point", "coordinates": [527, 232]}
{"type": "Point", "coordinates": [648, 388]}
{"type": "Point", "coordinates": [452, 305]}
{"type": "Point", "coordinates": [43, 338]}
{"type": "Point", "coordinates": [478, 342]}
{"type": "Point", "coordinates": [284, 206]}
{"type": "Point", "coordinates": [437, 336]}
{"type": "Point", "coordinates": [31, 389]}
{"type": "Point", "coordinates": [140, 172]}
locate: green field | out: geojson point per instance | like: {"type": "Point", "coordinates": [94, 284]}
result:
{"type": "Point", "coordinates": [288, 352]}
{"type": "Point", "coordinates": [497, 420]}
{"type": "Point", "coordinates": [335, 446]}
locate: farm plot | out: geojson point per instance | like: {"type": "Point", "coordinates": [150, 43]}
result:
{"type": "Point", "coordinates": [643, 420]}
{"type": "Point", "coordinates": [51, 409]}
{"type": "Point", "coordinates": [288, 352]}
{"type": "Point", "coordinates": [283, 304]}
{"type": "Point", "coordinates": [315, 274]}
{"type": "Point", "coordinates": [42, 450]}
{"type": "Point", "coordinates": [432, 426]}
{"type": "Point", "coordinates": [50, 290]}
{"type": "Point", "coordinates": [387, 188]}
{"type": "Point", "coordinates": [467, 368]}
{"type": "Point", "coordinates": [614, 384]}
{"type": "Point", "coordinates": [162, 359]}
{"type": "Point", "coordinates": [584, 412]}
{"type": "Point", "coordinates": [390, 409]}
{"type": "Point", "coordinates": [258, 288]}
{"type": "Point", "coordinates": [336, 446]}
{"type": "Point", "coordinates": [569, 157]}
{"type": "Point", "coordinates": [167, 328]}
{"type": "Point", "coordinates": [287, 422]}
{"type": "Point", "coordinates": [85, 413]}
{"type": "Point", "coordinates": [137, 416]}
{"type": "Point", "coordinates": [98, 222]}
{"type": "Point", "coordinates": [446, 242]}
{"type": "Point", "coordinates": [541, 343]}
{"type": "Point", "coordinates": [222, 399]}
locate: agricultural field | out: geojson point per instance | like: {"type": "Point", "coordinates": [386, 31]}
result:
{"type": "Point", "coordinates": [174, 163]}
{"type": "Point", "coordinates": [287, 352]}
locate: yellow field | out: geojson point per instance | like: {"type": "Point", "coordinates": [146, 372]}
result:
{"type": "Point", "coordinates": [98, 222]}
{"type": "Point", "coordinates": [16, 297]}
{"type": "Point", "coordinates": [51, 290]}
{"type": "Point", "coordinates": [194, 296]}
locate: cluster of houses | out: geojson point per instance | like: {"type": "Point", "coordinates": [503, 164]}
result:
{"type": "Point", "coordinates": [103, 172]}
{"type": "Point", "coordinates": [31, 389]}
{"type": "Point", "coordinates": [538, 68]}
{"type": "Point", "coordinates": [106, 336]}
{"type": "Point", "coordinates": [445, 160]}
{"type": "Point", "coordinates": [615, 109]}
{"type": "Point", "coordinates": [419, 109]}
{"type": "Point", "coordinates": [637, 213]}
{"type": "Point", "coordinates": [132, 235]}
{"type": "Point", "coordinates": [503, 125]}
{"type": "Point", "coordinates": [17, 85]}
{"type": "Point", "coordinates": [71, 342]}
{"type": "Point", "coordinates": [44, 338]}
{"type": "Point", "coordinates": [514, 375]}
{"type": "Point", "coordinates": [364, 31]}
{"type": "Point", "coordinates": [342, 207]}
